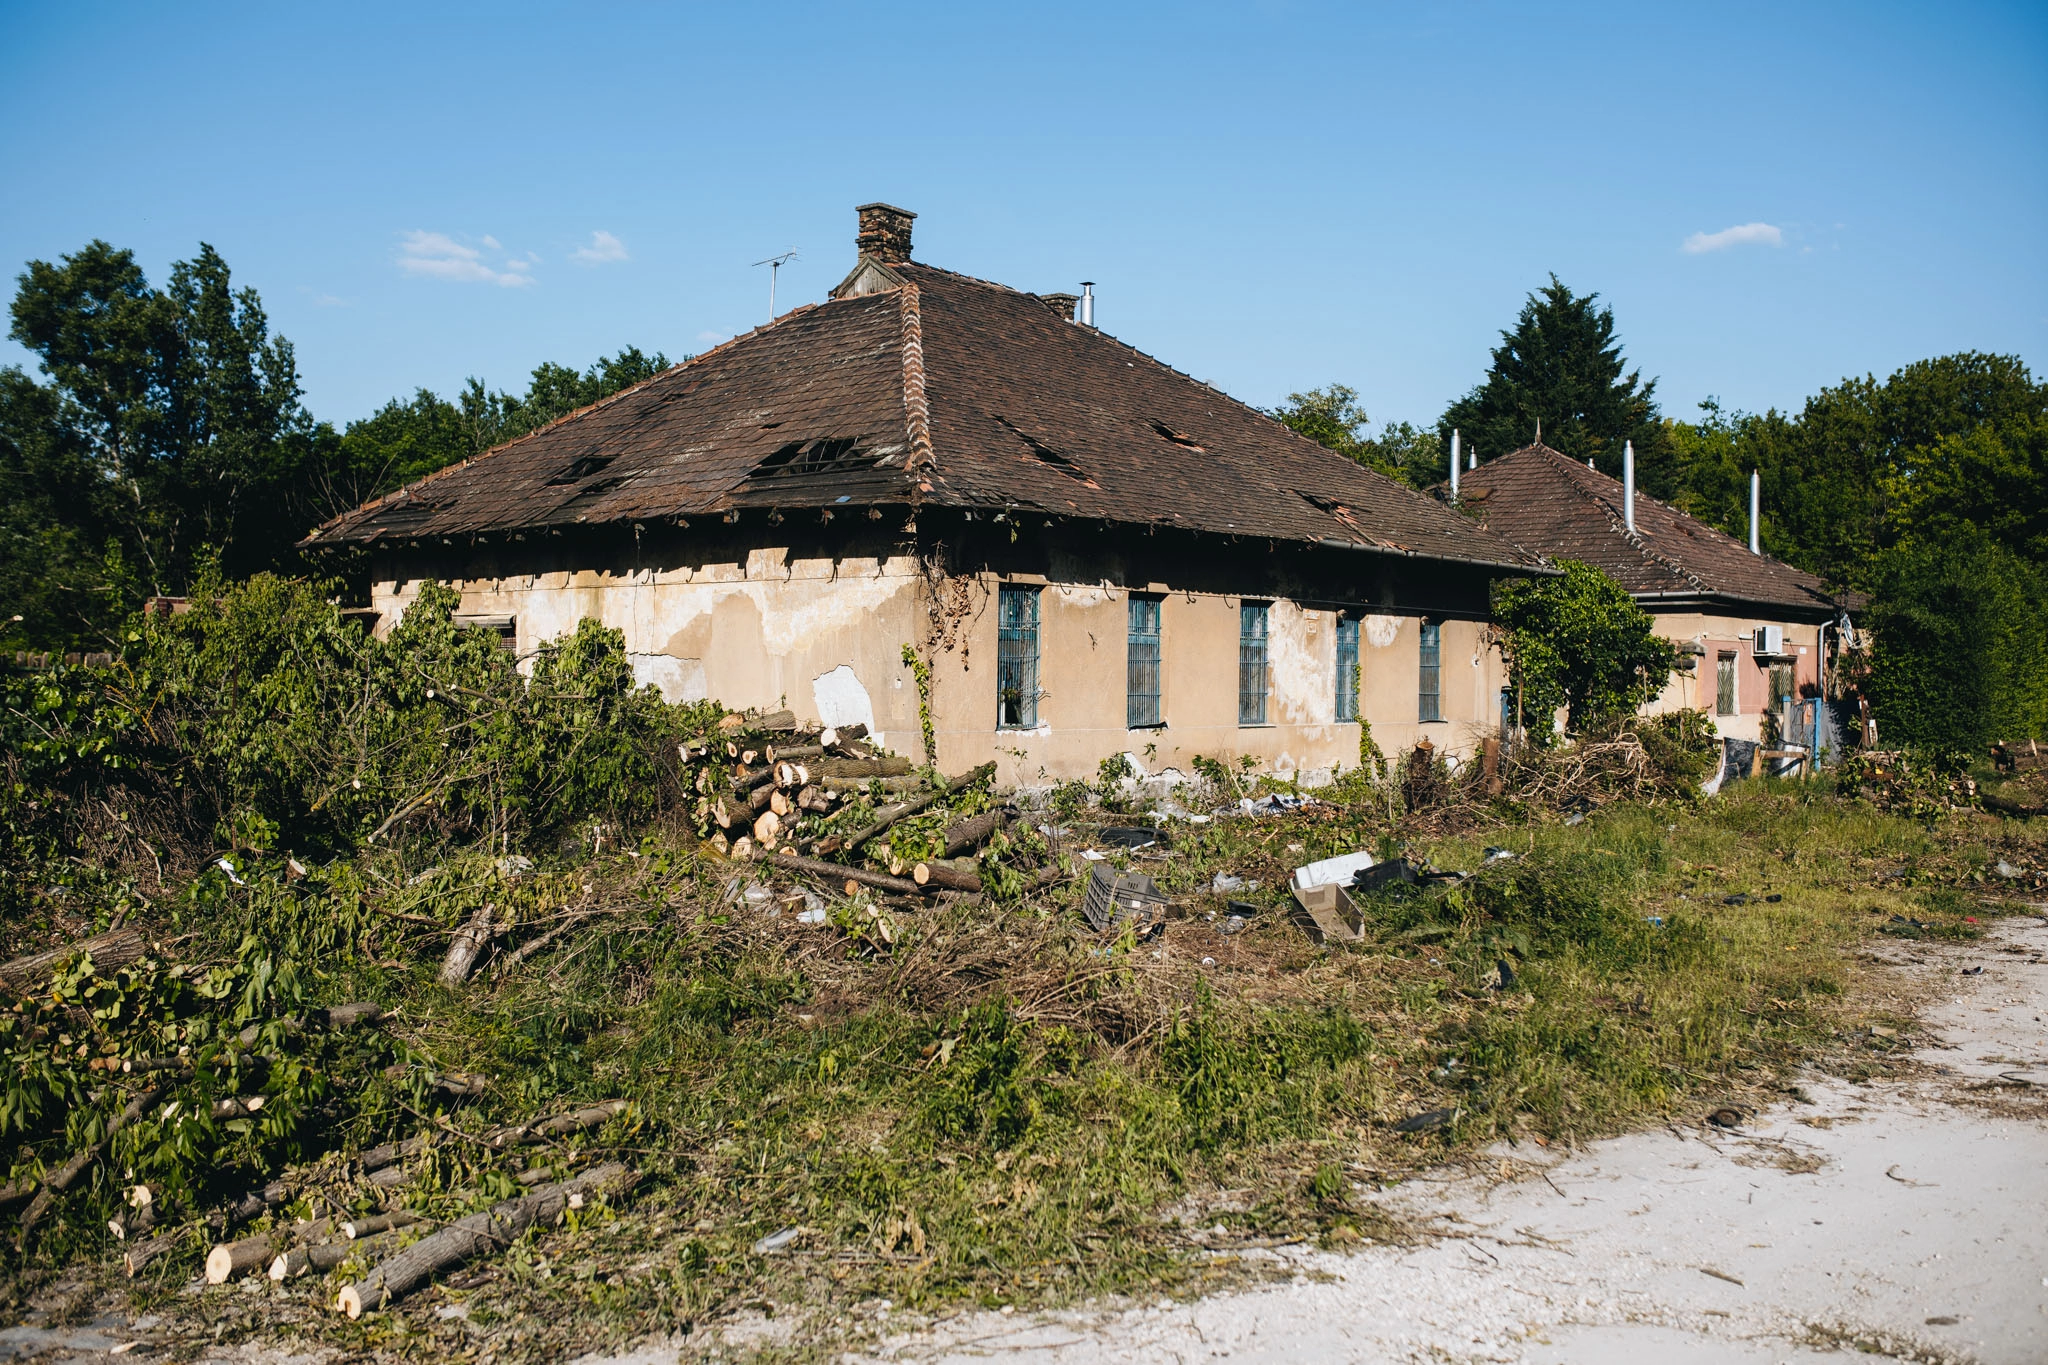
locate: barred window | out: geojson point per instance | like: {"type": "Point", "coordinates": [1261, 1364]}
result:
{"type": "Point", "coordinates": [1429, 705]}
{"type": "Point", "coordinates": [1251, 663]}
{"type": "Point", "coordinates": [1141, 695]}
{"type": "Point", "coordinates": [1724, 685]}
{"type": "Point", "coordinates": [1347, 668]}
{"type": "Point", "coordinates": [1017, 659]}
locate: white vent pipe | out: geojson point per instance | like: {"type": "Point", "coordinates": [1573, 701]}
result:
{"type": "Point", "coordinates": [1087, 303]}
{"type": "Point", "coordinates": [1756, 512]}
{"type": "Point", "coordinates": [1628, 484]}
{"type": "Point", "coordinates": [1454, 464]}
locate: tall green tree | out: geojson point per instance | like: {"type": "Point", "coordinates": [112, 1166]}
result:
{"type": "Point", "coordinates": [1959, 654]}
{"type": "Point", "coordinates": [1561, 367]}
{"type": "Point", "coordinates": [1944, 444]}
{"type": "Point", "coordinates": [170, 431]}
{"type": "Point", "coordinates": [1333, 417]}
{"type": "Point", "coordinates": [1578, 643]}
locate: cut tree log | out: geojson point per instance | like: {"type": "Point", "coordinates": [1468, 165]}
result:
{"type": "Point", "coordinates": [138, 1218]}
{"type": "Point", "coordinates": [241, 1107]}
{"type": "Point", "coordinates": [468, 945]}
{"type": "Point", "coordinates": [722, 812]}
{"type": "Point", "coordinates": [391, 1153]}
{"type": "Point", "coordinates": [908, 808]}
{"type": "Point", "coordinates": [317, 1258]}
{"type": "Point", "coordinates": [230, 1259]}
{"type": "Point", "coordinates": [256, 1203]}
{"type": "Point", "coordinates": [480, 1234]}
{"type": "Point", "coordinates": [944, 875]}
{"type": "Point", "coordinates": [71, 1169]}
{"type": "Point", "coordinates": [774, 720]}
{"type": "Point", "coordinates": [376, 1223]}
{"type": "Point", "coordinates": [779, 803]}
{"type": "Point", "coordinates": [575, 1121]}
{"type": "Point", "coordinates": [339, 1017]}
{"type": "Point", "coordinates": [860, 784]}
{"type": "Point", "coordinates": [862, 767]}
{"type": "Point", "coordinates": [110, 951]}
{"type": "Point", "coordinates": [854, 876]}
{"type": "Point", "coordinates": [137, 1257]}
{"type": "Point", "coordinates": [779, 754]}
{"type": "Point", "coordinates": [767, 827]}
{"type": "Point", "coordinates": [973, 832]}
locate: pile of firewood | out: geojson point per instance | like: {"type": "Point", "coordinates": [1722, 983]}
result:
{"type": "Point", "coordinates": [813, 800]}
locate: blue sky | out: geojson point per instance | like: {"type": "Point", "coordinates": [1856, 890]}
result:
{"type": "Point", "coordinates": [1270, 196]}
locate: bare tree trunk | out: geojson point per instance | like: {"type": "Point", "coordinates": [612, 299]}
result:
{"type": "Point", "coordinates": [111, 950]}
{"type": "Point", "coordinates": [479, 1234]}
{"type": "Point", "coordinates": [468, 945]}
{"type": "Point", "coordinates": [945, 875]}
{"type": "Point", "coordinates": [973, 832]}
{"type": "Point", "coordinates": [853, 876]}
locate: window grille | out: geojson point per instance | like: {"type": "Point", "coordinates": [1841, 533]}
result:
{"type": "Point", "coordinates": [1017, 659]}
{"type": "Point", "coordinates": [506, 628]}
{"type": "Point", "coordinates": [1724, 685]}
{"type": "Point", "coordinates": [1429, 703]}
{"type": "Point", "coordinates": [1251, 664]}
{"type": "Point", "coordinates": [1141, 697]}
{"type": "Point", "coordinates": [1347, 668]}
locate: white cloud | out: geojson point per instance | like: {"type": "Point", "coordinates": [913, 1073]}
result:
{"type": "Point", "coordinates": [439, 256]}
{"type": "Point", "coordinates": [714, 338]}
{"type": "Point", "coordinates": [1743, 234]}
{"type": "Point", "coordinates": [604, 248]}
{"type": "Point", "coordinates": [490, 241]}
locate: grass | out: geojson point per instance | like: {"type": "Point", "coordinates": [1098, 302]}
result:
{"type": "Point", "coordinates": [1002, 1108]}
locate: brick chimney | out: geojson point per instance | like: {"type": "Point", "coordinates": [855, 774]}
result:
{"type": "Point", "coordinates": [1062, 304]}
{"type": "Point", "coordinates": [884, 233]}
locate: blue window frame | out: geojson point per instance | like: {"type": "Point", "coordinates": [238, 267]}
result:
{"type": "Point", "coordinates": [1429, 699]}
{"type": "Point", "coordinates": [1347, 668]}
{"type": "Point", "coordinates": [1251, 663]}
{"type": "Point", "coordinates": [1017, 658]}
{"type": "Point", "coordinates": [1141, 686]}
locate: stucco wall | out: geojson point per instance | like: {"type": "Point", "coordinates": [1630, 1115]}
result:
{"type": "Point", "coordinates": [1733, 635]}
{"type": "Point", "coordinates": [1083, 652]}
{"type": "Point", "coordinates": [823, 635]}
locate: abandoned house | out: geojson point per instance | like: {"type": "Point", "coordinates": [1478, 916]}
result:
{"type": "Point", "coordinates": [1091, 552]}
{"type": "Point", "coordinates": [1753, 631]}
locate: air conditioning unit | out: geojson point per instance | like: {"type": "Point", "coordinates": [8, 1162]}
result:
{"type": "Point", "coordinates": [1770, 639]}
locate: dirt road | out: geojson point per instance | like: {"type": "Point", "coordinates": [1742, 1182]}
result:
{"type": "Point", "coordinates": [1907, 1220]}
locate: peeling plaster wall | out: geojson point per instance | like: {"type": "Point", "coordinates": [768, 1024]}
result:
{"type": "Point", "coordinates": [767, 632]}
{"type": "Point", "coordinates": [818, 629]}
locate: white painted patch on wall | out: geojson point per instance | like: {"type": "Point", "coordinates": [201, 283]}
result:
{"type": "Point", "coordinates": [679, 679]}
{"type": "Point", "coordinates": [842, 700]}
{"type": "Point", "coordinates": [1381, 630]}
{"type": "Point", "coordinates": [1304, 676]}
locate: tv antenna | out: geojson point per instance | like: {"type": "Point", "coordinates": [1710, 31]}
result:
{"type": "Point", "coordinates": [775, 264]}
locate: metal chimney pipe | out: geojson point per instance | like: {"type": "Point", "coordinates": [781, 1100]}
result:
{"type": "Point", "coordinates": [1087, 303]}
{"type": "Point", "coordinates": [1472, 458]}
{"type": "Point", "coordinates": [1628, 484]}
{"type": "Point", "coordinates": [1454, 464]}
{"type": "Point", "coordinates": [1756, 512]}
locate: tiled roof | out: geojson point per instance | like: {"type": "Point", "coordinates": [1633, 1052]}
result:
{"type": "Point", "coordinates": [1552, 505]}
{"type": "Point", "coordinates": [935, 390]}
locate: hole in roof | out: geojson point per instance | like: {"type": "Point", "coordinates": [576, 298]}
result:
{"type": "Point", "coordinates": [770, 426]}
{"type": "Point", "coordinates": [1046, 455]}
{"type": "Point", "coordinates": [1178, 438]}
{"type": "Point", "coordinates": [581, 468]}
{"type": "Point", "coordinates": [1319, 502]}
{"type": "Point", "coordinates": [797, 459]}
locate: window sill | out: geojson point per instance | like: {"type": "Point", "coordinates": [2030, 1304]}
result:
{"type": "Point", "coordinates": [1155, 725]}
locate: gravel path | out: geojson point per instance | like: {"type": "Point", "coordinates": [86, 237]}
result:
{"type": "Point", "coordinates": [1905, 1220]}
